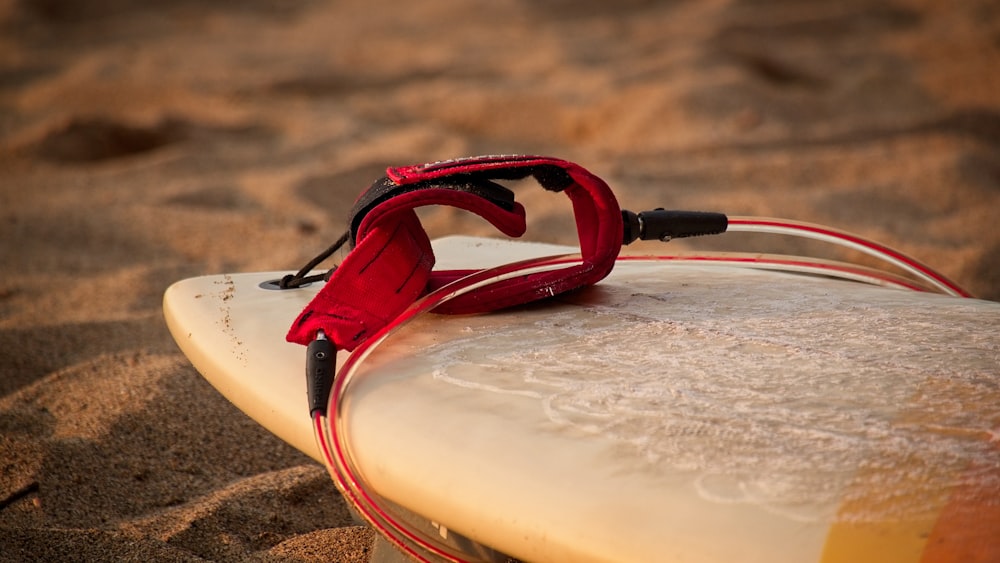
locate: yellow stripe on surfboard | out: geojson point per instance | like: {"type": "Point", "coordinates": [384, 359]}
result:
{"type": "Point", "coordinates": [960, 521]}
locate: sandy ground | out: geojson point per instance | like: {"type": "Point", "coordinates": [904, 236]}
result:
{"type": "Point", "coordinates": [145, 142]}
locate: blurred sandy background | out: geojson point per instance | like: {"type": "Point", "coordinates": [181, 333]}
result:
{"type": "Point", "coordinates": [142, 142]}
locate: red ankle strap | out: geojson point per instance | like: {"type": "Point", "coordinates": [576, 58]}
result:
{"type": "Point", "coordinates": [390, 265]}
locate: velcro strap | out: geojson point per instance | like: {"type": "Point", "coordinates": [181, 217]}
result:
{"type": "Point", "coordinates": [391, 263]}
{"type": "Point", "coordinates": [385, 189]}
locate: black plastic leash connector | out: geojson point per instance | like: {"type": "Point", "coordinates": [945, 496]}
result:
{"type": "Point", "coordinates": [663, 224]}
{"type": "Point", "coordinates": [321, 365]}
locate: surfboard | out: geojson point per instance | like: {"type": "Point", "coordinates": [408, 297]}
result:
{"type": "Point", "coordinates": [679, 410]}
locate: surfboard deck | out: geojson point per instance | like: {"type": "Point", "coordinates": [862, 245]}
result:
{"type": "Point", "coordinates": [673, 411]}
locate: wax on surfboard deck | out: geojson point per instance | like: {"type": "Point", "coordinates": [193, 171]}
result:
{"type": "Point", "coordinates": [698, 413]}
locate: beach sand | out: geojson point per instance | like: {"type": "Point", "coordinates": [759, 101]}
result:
{"type": "Point", "coordinates": [145, 142]}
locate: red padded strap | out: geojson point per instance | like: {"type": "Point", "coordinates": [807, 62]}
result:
{"type": "Point", "coordinates": [388, 269]}
{"type": "Point", "coordinates": [386, 272]}
{"type": "Point", "coordinates": [390, 265]}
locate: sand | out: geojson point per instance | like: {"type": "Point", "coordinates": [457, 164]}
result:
{"type": "Point", "coordinates": [145, 142]}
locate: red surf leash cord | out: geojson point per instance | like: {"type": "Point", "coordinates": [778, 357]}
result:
{"type": "Point", "coordinates": [849, 240]}
{"type": "Point", "coordinates": [390, 267]}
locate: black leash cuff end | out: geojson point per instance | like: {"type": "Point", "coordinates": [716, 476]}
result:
{"type": "Point", "coordinates": [662, 224]}
{"type": "Point", "coordinates": [321, 365]}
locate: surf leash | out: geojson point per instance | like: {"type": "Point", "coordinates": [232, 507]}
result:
{"type": "Point", "coordinates": [390, 267]}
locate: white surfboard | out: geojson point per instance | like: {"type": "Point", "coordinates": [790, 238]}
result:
{"type": "Point", "coordinates": [675, 411]}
